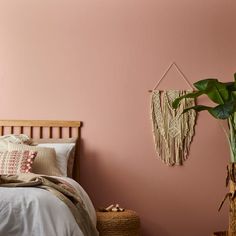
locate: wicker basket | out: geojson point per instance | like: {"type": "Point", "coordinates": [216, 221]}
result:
{"type": "Point", "coordinates": [125, 223]}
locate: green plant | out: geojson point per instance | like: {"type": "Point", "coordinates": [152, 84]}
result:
{"type": "Point", "coordinates": [224, 96]}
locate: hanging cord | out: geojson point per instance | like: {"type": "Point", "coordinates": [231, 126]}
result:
{"type": "Point", "coordinates": [166, 72]}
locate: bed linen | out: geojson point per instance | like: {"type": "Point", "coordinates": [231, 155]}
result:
{"type": "Point", "coordinates": [29, 211]}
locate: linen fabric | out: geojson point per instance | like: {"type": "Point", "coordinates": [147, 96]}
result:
{"type": "Point", "coordinates": [3, 145]}
{"type": "Point", "coordinates": [13, 138]}
{"type": "Point", "coordinates": [45, 163]}
{"type": "Point", "coordinates": [53, 140]}
{"type": "Point", "coordinates": [65, 154]}
{"type": "Point", "coordinates": [16, 138]}
{"type": "Point", "coordinates": [34, 211]}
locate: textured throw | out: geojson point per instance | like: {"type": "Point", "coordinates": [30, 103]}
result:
{"type": "Point", "coordinates": [173, 131]}
{"type": "Point", "coordinates": [14, 138]}
{"type": "Point", "coordinates": [60, 189]}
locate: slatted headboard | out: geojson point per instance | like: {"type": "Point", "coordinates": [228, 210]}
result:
{"type": "Point", "coordinates": [38, 128]}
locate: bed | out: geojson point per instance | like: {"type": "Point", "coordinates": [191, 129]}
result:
{"type": "Point", "coordinates": [32, 211]}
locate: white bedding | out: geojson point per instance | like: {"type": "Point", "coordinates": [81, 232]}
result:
{"type": "Point", "coordinates": [31, 211]}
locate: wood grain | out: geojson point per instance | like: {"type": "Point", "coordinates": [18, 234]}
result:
{"type": "Point", "coordinates": [39, 123]}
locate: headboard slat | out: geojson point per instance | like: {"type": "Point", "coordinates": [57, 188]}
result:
{"type": "Point", "coordinates": [40, 132]}
{"type": "Point", "coordinates": [70, 132]}
{"type": "Point", "coordinates": [60, 132]}
{"type": "Point", "coordinates": [50, 132]}
{"type": "Point", "coordinates": [31, 132]}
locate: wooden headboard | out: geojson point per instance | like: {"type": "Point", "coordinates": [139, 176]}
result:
{"type": "Point", "coordinates": [45, 129]}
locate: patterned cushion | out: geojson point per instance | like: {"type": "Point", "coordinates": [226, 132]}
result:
{"type": "Point", "coordinates": [45, 163]}
{"type": "Point", "coordinates": [15, 162]}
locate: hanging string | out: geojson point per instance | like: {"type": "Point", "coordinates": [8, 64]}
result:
{"type": "Point", "coordinates": [166, 72]}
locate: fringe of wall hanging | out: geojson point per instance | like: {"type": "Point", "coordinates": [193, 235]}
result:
{"type": "Point", "coordinates": [173, 131]}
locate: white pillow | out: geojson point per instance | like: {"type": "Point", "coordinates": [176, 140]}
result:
{"type": "Point", "coordinates": [63, 152]}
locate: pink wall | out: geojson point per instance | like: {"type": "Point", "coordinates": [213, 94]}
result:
{"type": "Point", "coordinates": [94, 61]}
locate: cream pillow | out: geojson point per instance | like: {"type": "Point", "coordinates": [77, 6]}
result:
{"type": "Point", "coordinates": [16, 138]}
{"type": "Point", "coordinates": [45, 162]}
{"type": "Point", "coordinates": [13, 138]}
{"type": "Point", "coordinates": [65, 153]}
{"type": "Point", "coordinates": [3, 145]}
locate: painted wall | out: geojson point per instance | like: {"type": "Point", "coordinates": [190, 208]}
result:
{"type": "Point", "coordinates": [94, 61]}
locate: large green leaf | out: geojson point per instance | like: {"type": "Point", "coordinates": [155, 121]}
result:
{"type": "Point", "coordinates": [218, 92]}
{"type": "Point", "coordinates": [194, 94]}
{"type": "Point", "coordinates": [204, 84]}
{"type": "Point", "coordinates": [214, 89]}
{"type": "Point", "coordinates": [230, 85]}
{"type": "Point", "coordinates": [219, 112]}
{"type": "Point", "coordinates": [223, 111]}
{"type": "Point", "coordinates": [233, 93]}
{"type": "Point", "coordinates": [223, 94]}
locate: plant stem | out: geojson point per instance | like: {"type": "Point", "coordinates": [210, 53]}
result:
{"type": "Point", "coordinates": [232, 134]}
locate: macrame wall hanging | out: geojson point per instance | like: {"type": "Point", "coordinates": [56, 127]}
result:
{"type": "Point", "coordinates": [173, 131]}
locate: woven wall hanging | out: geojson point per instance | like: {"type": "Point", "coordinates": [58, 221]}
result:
{"type": "Point", "coordinates": [173, 131]}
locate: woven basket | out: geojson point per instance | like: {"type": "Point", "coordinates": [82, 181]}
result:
{"type": "Point", "coordinates": [125, 223]}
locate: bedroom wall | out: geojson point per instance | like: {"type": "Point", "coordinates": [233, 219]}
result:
{"type": "Point", "coordinates": [94, 61]}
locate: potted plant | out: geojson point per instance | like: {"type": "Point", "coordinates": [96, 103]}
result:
{"type": "Point", "coordinates": [223, 95]}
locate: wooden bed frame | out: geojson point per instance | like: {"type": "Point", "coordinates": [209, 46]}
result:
{"type": "Point", "coordinates": [29, 127]}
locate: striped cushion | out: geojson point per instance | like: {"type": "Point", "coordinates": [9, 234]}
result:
{"type": "Point", "coordinates": [15, 162]}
